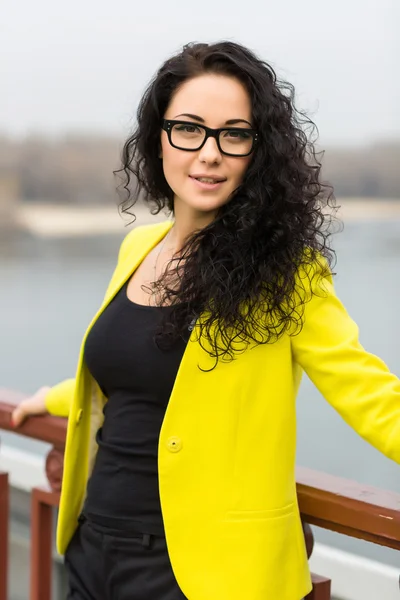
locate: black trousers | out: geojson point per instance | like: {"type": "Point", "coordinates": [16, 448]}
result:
{"type": "Point", "coordinates": [108, 564]}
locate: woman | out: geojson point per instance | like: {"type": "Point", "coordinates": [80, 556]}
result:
{"type": "Point", "coordinates": [179, 474]}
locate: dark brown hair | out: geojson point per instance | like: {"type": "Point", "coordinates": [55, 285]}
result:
{"type": "Point", "coordinates": [249, 255]}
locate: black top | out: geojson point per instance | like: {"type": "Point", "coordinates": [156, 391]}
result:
{"type": "Point", "coordinates": [137, 378]}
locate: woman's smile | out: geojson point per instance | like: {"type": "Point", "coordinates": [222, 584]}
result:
{"type": "Point", "coordinates": [208, 182]}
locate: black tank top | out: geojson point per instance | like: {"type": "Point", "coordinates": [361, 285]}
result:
{"type": "Point", "coordinates": [137, 378]}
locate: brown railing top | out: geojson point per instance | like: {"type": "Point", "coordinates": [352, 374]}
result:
{"type": "Point", "coordinates": [348, 507]}
{"type": "Point", "coordinates": [45, 428]}
{"type": "Point", "coordinates": [327, 501]}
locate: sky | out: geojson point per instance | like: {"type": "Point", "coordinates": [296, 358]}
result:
{"type": "Point", "coordinates": [82, 65]}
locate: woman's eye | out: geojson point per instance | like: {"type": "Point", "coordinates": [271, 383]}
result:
{"type": "Point", "coordinates": [239, 135]}
{"type": "Point", "coordinates": [187, 128]}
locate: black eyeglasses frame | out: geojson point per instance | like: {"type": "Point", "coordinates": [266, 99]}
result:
{"type": "Point", "coordinates": [167, 125]}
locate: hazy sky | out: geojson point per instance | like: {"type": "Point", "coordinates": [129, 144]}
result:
{"type": "Point", "coordinates": [83, 64]}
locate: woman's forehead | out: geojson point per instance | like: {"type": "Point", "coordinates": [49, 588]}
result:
{"type": "Point", "coordinates": [211, 97]}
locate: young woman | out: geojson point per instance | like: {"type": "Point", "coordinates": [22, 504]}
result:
{"type": "Point", "coordinates": [179, 475]}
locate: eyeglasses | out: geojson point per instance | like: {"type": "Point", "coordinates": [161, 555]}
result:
{"type": "Point", "coordinates": [232, 141]}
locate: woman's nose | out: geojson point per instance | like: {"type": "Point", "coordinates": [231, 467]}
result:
{"type": "Point", "coordinates": [210, 152]}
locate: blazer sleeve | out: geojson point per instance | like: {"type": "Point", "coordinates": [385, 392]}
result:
{"type": "Point", "coordinates": [59, 398]}
{"type": "Point", "coordinates": [358, 384]}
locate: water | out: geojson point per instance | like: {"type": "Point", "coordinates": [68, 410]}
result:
{"type": "Point", "coordinates": [51, 289]}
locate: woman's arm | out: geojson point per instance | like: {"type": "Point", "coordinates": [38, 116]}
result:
{"type": "Point", "coordinates": [58, 399]}
{"type": "Point", "coordinates": [355, 382]}
{"type": "Point", "coordinates": [54, 400]}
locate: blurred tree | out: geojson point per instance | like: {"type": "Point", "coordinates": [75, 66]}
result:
{"type": "Point", "coordinates": [77, 169]}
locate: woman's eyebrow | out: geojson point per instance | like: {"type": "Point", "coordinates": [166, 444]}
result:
{"type": "Point", "coordinates": [197, 118]}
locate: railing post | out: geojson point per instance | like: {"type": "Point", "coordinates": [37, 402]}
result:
{"type": "Point", "coordinates": [4, 516]}
{"type": "Point", "coordinates": [321, 585]}
{"type": "Point", "coordinates": [321, 588]}
{"type": "Point", "coordinates": [43, 502]}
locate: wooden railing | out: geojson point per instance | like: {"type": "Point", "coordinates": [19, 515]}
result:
{"type": "Point", "coordinates": [330, 502]}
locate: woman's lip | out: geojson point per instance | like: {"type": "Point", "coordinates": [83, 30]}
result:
{"type": "Point", "coordinates": [207, 186]}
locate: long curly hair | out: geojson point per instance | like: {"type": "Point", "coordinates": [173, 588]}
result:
{"type": "Point", "coordinates": [239, 272]}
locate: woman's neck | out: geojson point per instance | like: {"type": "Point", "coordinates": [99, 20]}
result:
{"type": "Point", "coordinates": [186, 221]}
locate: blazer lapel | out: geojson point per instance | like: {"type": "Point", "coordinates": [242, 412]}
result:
{"type": "Point", "coordinates": [142, 243]}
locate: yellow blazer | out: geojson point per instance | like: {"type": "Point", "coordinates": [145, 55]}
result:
{"type": "Point", "coordinates": [226, 453]}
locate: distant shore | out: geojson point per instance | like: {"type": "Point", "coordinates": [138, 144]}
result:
{"type": "Point", "coordinates": [54, 220]}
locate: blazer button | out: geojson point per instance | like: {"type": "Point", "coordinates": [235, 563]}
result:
{"type": "Point", "coordinates": [174, 444]}
{"type": "Point", "coordinates": [79, 416]}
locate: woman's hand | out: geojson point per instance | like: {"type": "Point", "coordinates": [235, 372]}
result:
{"type": "Point", "coordinates": [34, 405]}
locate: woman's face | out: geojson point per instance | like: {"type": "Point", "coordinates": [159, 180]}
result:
{"type": "Point", "coordinates": [210, 100]}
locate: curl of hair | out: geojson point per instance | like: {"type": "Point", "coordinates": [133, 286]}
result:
{"type": "Point", "coordinates": [239, 272]}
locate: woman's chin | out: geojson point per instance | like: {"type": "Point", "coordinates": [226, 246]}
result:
{"type": "Point", "coordinates": [204, 204]}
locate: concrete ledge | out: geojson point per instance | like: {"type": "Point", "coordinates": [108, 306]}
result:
{"type": "Point", "coordinates": [355, 577]}
{"type": "Point", "coordinates": [26, 470]}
